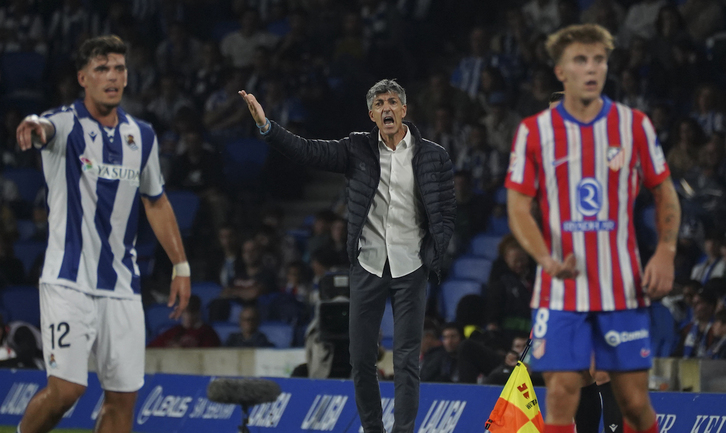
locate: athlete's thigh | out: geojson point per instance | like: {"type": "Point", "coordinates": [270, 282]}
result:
{"type": "Point", "coordinates": [68, 322]}
{"type": "Point", "coordinates": [121, 344]}
{"type": "Point", "coordinates": [622, 340]}
{"type": "Point", "coordinates": [561, 340]}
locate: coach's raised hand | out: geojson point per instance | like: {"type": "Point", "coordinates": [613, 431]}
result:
{"type": "Point", "coordinates": [33, 129]}
{"type": "Point", "coordinates": [256, 110]}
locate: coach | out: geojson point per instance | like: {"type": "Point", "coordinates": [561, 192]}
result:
{"type": "Point", "coordinates": [400, 196]}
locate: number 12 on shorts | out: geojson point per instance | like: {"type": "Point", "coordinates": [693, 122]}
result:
{"type": "Point", "coordinates": [61, 330]}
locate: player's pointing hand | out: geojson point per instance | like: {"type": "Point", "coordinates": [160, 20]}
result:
{"type": "Point", "coordinates": [30, 129]}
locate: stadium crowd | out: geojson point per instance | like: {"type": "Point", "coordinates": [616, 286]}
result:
{"type": "Point", "coordinates": [473, 69]}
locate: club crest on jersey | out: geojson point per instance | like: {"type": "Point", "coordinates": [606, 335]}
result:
{"type": "Point", "coordinates": [130, 141]}
{"type": "Point", "coordinates": [616, 158]}
{"type": "Point", "coordinates": [87, 164]}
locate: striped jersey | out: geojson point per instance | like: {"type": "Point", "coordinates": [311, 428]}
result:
{"type": "Point", "coordinates": [585, 178]}
{"type": "Point", "coordinates": [94, 175]}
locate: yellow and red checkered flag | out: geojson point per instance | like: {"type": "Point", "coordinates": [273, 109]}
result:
{"type": "Point", "coordinates": [517, 410]}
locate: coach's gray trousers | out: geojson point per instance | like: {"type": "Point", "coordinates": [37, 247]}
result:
{"type": "Point", "coordinates": [368, 294]}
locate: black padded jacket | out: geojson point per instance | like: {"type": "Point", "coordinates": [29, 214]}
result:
{"type": "Point", "coordinates": [357, 157]}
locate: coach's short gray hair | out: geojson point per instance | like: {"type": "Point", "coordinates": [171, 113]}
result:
{"type": "Point", "coordinates": [385, 86]}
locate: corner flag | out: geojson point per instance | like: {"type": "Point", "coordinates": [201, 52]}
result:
{"type": "Point", "coordinates": [517, 409]}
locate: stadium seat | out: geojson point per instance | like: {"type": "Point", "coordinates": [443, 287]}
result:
{"type": "Point", "coordinates": [28, 252]}
{"type": "Point", "coordinates": [157, 319]}
{"type": "Point", "coordinates": [224, 330]}
{"type": "Point", "coordinates": [21, 303]}
{"type": "Point", "coordinates": [387, 326]}
{"type": "Point", "coordinates": [28, 180]}
{"type": "Point", "coordinates": [453, 290]}
{"type": "Point", "coordinates": [647, 224]}
{"type": "Point", "coordinates": [498, 226]}
{"type": "Point", "coordinates": [279, 333]}
{"type": "Point", "coordinates": [207, 292]}
{"type": "Point", "coordinates": [500, 195]}
{"type": "Point", "coordinates": [486, 245]}
{"type": "Point", "coordinates": [185, 204]}
{"type": "Point", "coordinates": [145, 257]}
{"type": "Point", "coordinates": [472, 268]}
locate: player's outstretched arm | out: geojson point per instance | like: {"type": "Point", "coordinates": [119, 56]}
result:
{"type": "Point", "coordinates": [162, 220]}
{"type": "Point", "coordinates": [659, 272]}
{"type": "Point", "coordinates": [525, 229]}
{"type": "Point", "coordinates": [34, 130]}
{"type": "Point", "coordinates": [258, 114]}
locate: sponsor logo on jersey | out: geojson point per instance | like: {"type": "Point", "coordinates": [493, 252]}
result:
{"type": "Point", "coordinates": [614, 338]}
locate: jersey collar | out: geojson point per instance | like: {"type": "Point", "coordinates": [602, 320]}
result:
{"type": "Point", "coordinates": [83, 112]}
{"type": "Point", "coordinates": [606, 104]}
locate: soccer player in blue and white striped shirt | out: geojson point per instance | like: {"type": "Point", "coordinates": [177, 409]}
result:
{"type": "Point", "coordinates": [99, 165]}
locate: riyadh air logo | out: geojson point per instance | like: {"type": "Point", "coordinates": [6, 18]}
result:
{"type": "Point", "coordinates": [589, 196]}
{"type": "Point", "coordinates": [87, 164]}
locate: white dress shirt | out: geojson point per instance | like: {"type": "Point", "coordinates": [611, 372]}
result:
{"type": "Point", "coordinates": [394, 229]}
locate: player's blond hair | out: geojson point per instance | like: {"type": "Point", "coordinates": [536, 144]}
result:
{"type": "Point", "coordinates": [583, 33]}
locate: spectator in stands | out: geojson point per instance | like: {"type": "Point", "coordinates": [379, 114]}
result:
{"type": "Point", "coordinates": [662, 121]}
{"type": "Point", "coordinates": [20, 345]}
{"type": "Point", "coordinates": [338, 239]}
{"type": "Point", "coordinates": [12, 271]}
{"type": "Point", "coordinates": [440, 93]}
{"type": "Point", "coordinates": [67, 25]}
{"type": "Point", "coordinates": [170, 100]}
{"type": "Point", "coordinates": [684, 154]}
{"type": "Point", "coordinates": [670, 27]}
{"type": "Point", "coordinates": [501, 123]}
{"type": "Point", "coordinates": [472, 211]}
{"type": "Point", "coordinates": [477, 360]}
{"type": "Point", "coordinates": [223, 268]}
{"type": "Point", "coordinates": [713, 265]}
{"type": "Point", "coordinates": [509, 296]}
{"type": "Point", "coordinates": [704, 189]}
{"type": "Point", "coordinates": [536, 97]}
{"type": "Point", "coordinates": [542, 15]}
{"type": "Point", "coordinates": [697, 336]}
{"type": "Point", "coordinates": [298, 282]}
{"type": "Point", "coordinates": [703, 18]}
{"type": "Point", "coordinates": [707, 112]}
{"type": "Point", "coordinates": [249, 335]}
{"type": "Point", "coordinates": [440, 364]}
{"type": "Point", "coordinates": [224, 115]}
{"type": "Point", "coordinates": [445, 132]}
{"type": "Point", "coordinates": [486, 165]}
{"type": "Point", "coordinates": [607, 13]}
{"type": "Point", "coordinates": [717, 350]}
{"type": "Point", "coordinates": [191, 332]}
{"type": "Point", "coordinates": [273, 216]}
{"type": "Point", "coordinates": [251, 275]}
{"type": "Point", "coordinates": [467, 76]}
{"type": "Point", "coordinates": [208, 77]}
{"type": "Point", "coordinates": [320, 236]}
{"type": "Point", "coordinates": [142, 82]}
{"type": "Point", "coordinates": [266, 238]}
{"type": "Point", "coordinates": [286, 109]}
{"type": "Point", "coordinates": [510, 45]}
{"type": "Point", "coordinates": [197, 169]}
{"type": "Point", "coordinates": [680, 301]}
{"type": "Point", "coordinates": [239, 46]}
{"type": "Point", "coordinates": [640, 21]}
{"type": "Point", "coordinates": [500, 374]}
{"type": "Point", "coordinates": [21, 29]}
{"type": "Point", "coordinates": [491, 80]}
{"type": "Point", "coordinates": [629, 91]}
{"type": "Point", "coordinates": [179, 53]}
{"type": "Point", "coordinates": [10, 154]}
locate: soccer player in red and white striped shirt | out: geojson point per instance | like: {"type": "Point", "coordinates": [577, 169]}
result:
{"type": "Point", "coordinates": [584, 162]}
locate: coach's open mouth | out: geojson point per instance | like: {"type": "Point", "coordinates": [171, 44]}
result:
{"type": "Point", "coordinates": [388, 120]}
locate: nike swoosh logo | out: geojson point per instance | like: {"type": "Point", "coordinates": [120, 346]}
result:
{"type": "Point", "coordinates": [560, 161]}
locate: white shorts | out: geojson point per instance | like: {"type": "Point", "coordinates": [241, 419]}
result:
{"type": "Point", "coordinates": [76, 325]}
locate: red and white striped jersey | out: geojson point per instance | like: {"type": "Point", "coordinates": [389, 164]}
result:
{"type": "Point", "coordinates": [585, 178]}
